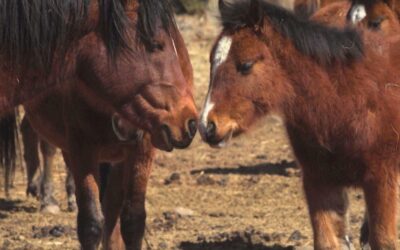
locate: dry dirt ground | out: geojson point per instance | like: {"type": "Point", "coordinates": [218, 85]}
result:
{"type": "Point", "coordinates": [247, 196]}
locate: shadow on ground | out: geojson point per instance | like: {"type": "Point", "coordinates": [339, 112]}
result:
{"type": "Point", "coordinates": [231, 245]}
{"type": "Point", "coordinates": [259, 169]}
{"type": "Point", "coordinates": [15, 206]}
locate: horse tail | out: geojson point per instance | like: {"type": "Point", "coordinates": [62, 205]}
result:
{"type": "Point", "coordinates": [105, 169]}
{"type": "Point", "coordinates": [8, 152]}
{"type": "Point", "coordinates": [306, 8]}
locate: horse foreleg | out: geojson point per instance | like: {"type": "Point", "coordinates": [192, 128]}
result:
{"type": "Point", "coordinates": [47, 200]}
{"type": "Point", "coordinates": [31, 157]}
{"type": "Point", "coordinates": [83, 166]}
{"type": "Point", "coordinates": [70, 188]}
{"type": "Point", "coordinates": [381, 198]}
{"type": "Point", "coordinates": [133, 214]}
{"type": "Point", "coordinates": [327, 207]}
{"type": "Point", "coordinates": [112, 205]}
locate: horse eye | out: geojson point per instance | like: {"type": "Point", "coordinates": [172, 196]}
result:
{"type": "Point", "coordinates": [156, 46]}
{"type": "Point", "coordinates": [245, 68]}
{"type": "Point", "coordinates": [376, 23]}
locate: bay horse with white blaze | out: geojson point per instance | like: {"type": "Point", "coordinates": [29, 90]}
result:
{"type": "Point", "coordinates": [337, 90]}
{"type": "Point", "coordinates": [152, 106]}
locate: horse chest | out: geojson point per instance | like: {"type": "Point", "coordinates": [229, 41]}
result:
{"type": "Point", "coordinates": [327, 163]}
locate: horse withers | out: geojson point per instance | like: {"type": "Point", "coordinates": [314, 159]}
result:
{"type": "Point", "coordinates": [337, 92]}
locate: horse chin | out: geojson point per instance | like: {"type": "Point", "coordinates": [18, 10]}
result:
{"type": "Point", "coordinates": [224, 142]}
{"type": "Point", "coordinates": [162, 141]}
{"type": "Point", "coordinates": [123, 132]}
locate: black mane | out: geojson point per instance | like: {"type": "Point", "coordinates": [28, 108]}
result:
{"type": "Point", "coordinates": [31, 31]}
{"type": "Point", "coordinates": [153, 13]}
{"type": "Point", "coordinates": [325, 44]}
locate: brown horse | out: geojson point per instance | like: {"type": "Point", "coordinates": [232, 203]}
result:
{"type": "Point", "coordinates": [337, 92]}
{"type": "Point", "coordinates": [335, 14]}
{"type": "Point", "coordinates": [150, 89]}
{"type": "Point", "coordinates": [373, 13]}
{"type": "Point", "coordinates": [38, 42]}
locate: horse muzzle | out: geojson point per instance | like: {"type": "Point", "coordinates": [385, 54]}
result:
{"type": "Point", "coordinates": [169, 139]}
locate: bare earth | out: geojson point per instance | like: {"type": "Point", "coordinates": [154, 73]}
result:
{"type": "Point", "coordinates": [247, 196]}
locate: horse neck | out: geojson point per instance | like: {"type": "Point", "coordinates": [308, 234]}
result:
{"type": "Point", "coordinates": [308, 82]}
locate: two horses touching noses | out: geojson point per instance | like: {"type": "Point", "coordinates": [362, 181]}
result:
{"type": "Point", "coordinates": [113, 84]}
{"type": "Point", "coordinates": [337, 89]}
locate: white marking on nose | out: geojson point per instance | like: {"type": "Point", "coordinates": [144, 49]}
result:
{"type": "Point", "coordinates": [173, 44]}
{"type": "Point", "coordinates": [206, 110]}
{"type": "Point", "coordinates": [357, 13]}
{"type": "Point", "coordinates": [220, 55]}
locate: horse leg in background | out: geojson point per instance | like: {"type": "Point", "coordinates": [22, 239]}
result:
{"type": "Point", "coordinates": [381, 194]}
{"type": "Point", "coordinates": [84, 167]}
{"type": "Point", "coordinates": [8, 135]}
{"type": "Point", "coordinates": [364, 232]}
{"type": "Point", "coordinates": [31, 156]}
{"type": "Point", "coordinates": [48, 203]}
{"type": "Point", "coordinates": [70, 188]}
{"type": "Point", "coordinates": [137, 172]}
{"type": "Point", "coordinates": [112, 205]}
{"type": "Point", "coordinates": [327, 207]}
{"type": "Point", "coordinates": [104, 169]}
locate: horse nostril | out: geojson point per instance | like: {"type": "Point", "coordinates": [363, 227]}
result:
{"type": "Point", "coordinates": [211, 130]}
{"type": "Point", "coordinates": [166, 133]}
{"type": "Point", "coordinates": [192, 125]}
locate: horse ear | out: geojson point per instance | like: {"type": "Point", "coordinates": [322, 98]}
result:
{"type": "Point", "coordinates": [255, 16]}
{"type": "Point", "coordinates": [222, 6]}
{"type": "Point", "coordinates": [391, 4]}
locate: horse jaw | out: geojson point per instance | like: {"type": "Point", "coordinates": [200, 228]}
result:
{"type": "Point", "coordinates": [129, 134]}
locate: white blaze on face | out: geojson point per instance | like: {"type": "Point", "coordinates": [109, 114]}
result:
{"type": "Point", "coordinates": [220, 55]}
{"type": "Point", "coordinates": [357, 13]}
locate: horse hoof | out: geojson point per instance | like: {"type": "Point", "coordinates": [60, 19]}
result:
{"type": "Point", "coordinates": [32, 191]}
{"type": "Point", "coordinates": [347, 246]}
{"type": "Point", "coordinates": [366, 247]}
{"type": "Point", "coordinates": [50, 209]}
{"type": "Point", "coordinates": [71, 207]}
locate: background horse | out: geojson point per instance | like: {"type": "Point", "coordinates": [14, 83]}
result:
{"type": "Point", "coordinates": [37, 41]}
{"type": "Point", "coordinates": [374, 14]}
{"type": "Point", "coordinates": [157, 83]}
{"type": "Point", "coordinates": [40, 179]}
{"type": "Point", "coordinates": [336, 91]}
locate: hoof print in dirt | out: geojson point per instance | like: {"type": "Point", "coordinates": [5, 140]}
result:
{"type": "Point", "coordinates": [174, 178]}
{"type": "Point", "coordinates": [296, 236]}
{"type": "Point", "coordinates": [205, 180]}
{"type": "Point", "coordinates": [247, 239]}
{"type": "Point", "coordinates": [52, 231]}
{"type": "Point", "coordinates": [50, 209]}
{"type": "Point", "coordinates": [184, 212]}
